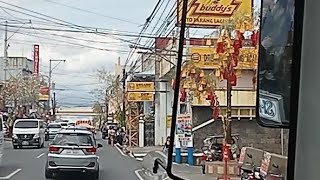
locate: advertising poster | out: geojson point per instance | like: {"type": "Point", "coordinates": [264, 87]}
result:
{"type": "Point", "coordinates": [184, 128]}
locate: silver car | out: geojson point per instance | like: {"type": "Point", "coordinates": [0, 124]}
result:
{"type": "Point", "coordinates": [53, 129]}
{"type": "Point", "coordinates": [73, 151]}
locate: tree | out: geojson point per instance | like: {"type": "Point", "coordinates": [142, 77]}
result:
{"type": "Point", "coordinates": [21, 90]}
{"type": "Point", "coordinates": [109, 90]}
{"type": "Point", "coordinates": [229, 50]}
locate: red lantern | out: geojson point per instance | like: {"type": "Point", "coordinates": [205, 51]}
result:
{"type": "Point", "coordinates": [235, 60]}
{"type": "Point", "coordinates": [183, 95]}
{"type": "Point", "coordinates": [216, 112]}
{"type": "Point", "coordinates": [237, 44]}
{"type": "Point", "coordinates": [220, 47]}
{"type": "Point", "coordinates": [255, 38]}
{"type": "Point", "coordinates": [233, 79]}
{"type": "Point", "coordinates": [225, 73]}
{"type": "Point", "coordinates": [209, 95]}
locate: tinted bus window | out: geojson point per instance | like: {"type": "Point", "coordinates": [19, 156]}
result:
{"type": "Point", "coordinates": [275, 62]}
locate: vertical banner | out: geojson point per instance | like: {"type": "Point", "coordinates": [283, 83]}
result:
{"type": "Point", "coordinates": [36, 59]}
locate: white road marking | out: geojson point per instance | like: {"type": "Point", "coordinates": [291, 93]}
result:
{"type": "Point", "coordinates": [123, 154]}
{"type": "Point", "coordinates": [137, 173]}
{"type": "Point", "coordinates": [139, 159]}
{"type": "Point", "coordinates": [131, 155]}
{"type": "Point", "coordinates": [40, 155]}
{"type": "Point", "coordinates": [11, 174]}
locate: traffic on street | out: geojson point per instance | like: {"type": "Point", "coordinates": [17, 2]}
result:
{"type": "Point", "coordinates": [30, 163]}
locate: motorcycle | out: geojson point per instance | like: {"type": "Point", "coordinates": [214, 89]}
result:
{"type": "Point", "coordinates": [249, 171]}
{"type": "Point", "coordinates": [112, 137]}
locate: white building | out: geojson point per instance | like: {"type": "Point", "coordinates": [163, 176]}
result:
{"type": "Point", "coordinates": [15, 66]}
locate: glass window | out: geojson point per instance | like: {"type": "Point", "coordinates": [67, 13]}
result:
{"type": "Point", "coordinates": [275, 61]}
{"type": "Point", "coordinates": [54, 126]}
{"type": "Point", "coordinates": [73, 138]}
{"type": "Point", "coordinates": [26, 124]}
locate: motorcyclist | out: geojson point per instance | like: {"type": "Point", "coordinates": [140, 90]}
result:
{"type": "Point", "coordinates": [111, 135]}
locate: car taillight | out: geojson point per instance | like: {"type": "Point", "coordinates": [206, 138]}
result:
{"type": "Point", "coordinates": [54, 149]}
{"type": "Point", "coordinates": [92, 150]}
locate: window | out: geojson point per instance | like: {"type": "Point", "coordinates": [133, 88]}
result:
{"type": "Point", "coordinates": [54, 126]}
{"type": "Point", "coordinates": [275, 61]}
{"type": "Point", "coordinates": [26, 124]}
{"type": "Point", "coordinates": [74, 138]}
{"type": "Point", "coordinates": [41, 124]}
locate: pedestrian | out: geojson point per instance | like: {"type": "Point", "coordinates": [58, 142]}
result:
{"type": "Point", "coordinates": [166, 145]}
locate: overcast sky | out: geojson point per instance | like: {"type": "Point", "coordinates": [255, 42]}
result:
{"type": "Point", "coordinates": [76, 77]}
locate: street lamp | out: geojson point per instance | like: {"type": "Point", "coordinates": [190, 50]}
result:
{"type": "Point", "coordinates": [50, 75]}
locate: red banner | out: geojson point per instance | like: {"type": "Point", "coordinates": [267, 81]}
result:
{"type": "Point", "coordinates": [36, 59]}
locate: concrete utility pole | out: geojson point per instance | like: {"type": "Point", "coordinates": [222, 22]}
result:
{"type": "Point", "coordinates": [54, 106]}
{"type": "Point", "coordinates": [50, 76]}
{"type": "Point", "coordinates": [5, 50]}
{"type": "Point", "coordinates": [124, 76]}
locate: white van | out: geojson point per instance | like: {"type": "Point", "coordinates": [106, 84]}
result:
{"type": "Point", "coordinates": [1, 139]}
{"type": "Point", "coordinates": [28, 132]}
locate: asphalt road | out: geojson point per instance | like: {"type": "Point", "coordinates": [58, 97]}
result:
{"type": "Point", "coordinates": [28, 164]}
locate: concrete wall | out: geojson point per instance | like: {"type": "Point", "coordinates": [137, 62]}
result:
{"type": "Point", "coordinates": [251, 133]}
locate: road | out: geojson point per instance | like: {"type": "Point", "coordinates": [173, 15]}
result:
{"type": "Point", "coordinates": [28, 164]}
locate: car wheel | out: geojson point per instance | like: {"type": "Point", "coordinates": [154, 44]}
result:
{"type": "Point", "coordinates": [48, 174]}
{"type": "Point", "coordinates": [15, 147]}
{"type": "Point", "coordinates": [46, 138]}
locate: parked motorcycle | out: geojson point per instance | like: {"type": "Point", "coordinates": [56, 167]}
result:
{"type": "Point", "coordinates": [249, 171]}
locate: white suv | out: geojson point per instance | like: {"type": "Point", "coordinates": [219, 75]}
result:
{"type": "Point", "coordinates": [73, 151]}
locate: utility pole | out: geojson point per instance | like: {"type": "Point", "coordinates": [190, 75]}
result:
{"type": "Point", "coordinates": [5, 50]}
{"type": "Point", "coordinates": [107, 106]}
{"type": "Point", "coordinates": [124, 76]}
{"type": "Point", "coordinates": [54, 106]}
{"type": "Point", "coordinates": [50, 76]}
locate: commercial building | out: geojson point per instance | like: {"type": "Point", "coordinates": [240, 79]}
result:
{"type": "Point", "coordinates": [15, 66]}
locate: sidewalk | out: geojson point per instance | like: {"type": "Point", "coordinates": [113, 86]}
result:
{"type": "Point", "coordinates": [181, 170]}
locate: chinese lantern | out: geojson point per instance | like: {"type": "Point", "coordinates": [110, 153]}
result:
{"type": "Point", "coordinates": [233, 79]}
{"type": "Point", "coordinates": [235, 60]}
{"type": "Point", "coordinates": [202, 74]}
{"type": "Point", "coordinates": [220, 46]}
{"type": "Point", "coordinates": [225, 73]}
{"type": "Point", "coordinates": [183, 95]}
{"type": "Point", "coordinates": [216, 112]}
{"type": "Point", "coordinates": [255, 38]}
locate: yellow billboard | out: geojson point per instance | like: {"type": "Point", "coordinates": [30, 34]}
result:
{"type": "Point", "coordinates": [204, 57]}
{"type": "Point", "coordinates": [248, 58]}
{"type": "Point", "coordinates": [140, 86]}
{"type": "Point", "coordinates": [208, 13]}
{"type": "Point", "coordinates": [140, 96]}
{"type": "Point", "coordinates": [43, 97]}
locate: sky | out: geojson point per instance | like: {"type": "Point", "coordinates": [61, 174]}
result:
{"type": "Point", "coordinates": [76, 78]}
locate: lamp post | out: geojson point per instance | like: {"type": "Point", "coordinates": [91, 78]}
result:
{"type": "Point", "coordinates": [50, 76]}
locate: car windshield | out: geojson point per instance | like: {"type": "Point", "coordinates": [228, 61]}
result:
{"type": "Point", "coordinates": [78, 139]}
{"type": "Point", "coordinates": [26, 124]}
{"type": "Point", "coordinates": [54, 126]}
{"type": "Point", "coordinates": [64, 124]}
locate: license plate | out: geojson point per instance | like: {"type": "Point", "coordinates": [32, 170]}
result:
{"type": "Point", "coordinates": [25, 143]}
{"type": "Point", "coordinates": [71, 152]}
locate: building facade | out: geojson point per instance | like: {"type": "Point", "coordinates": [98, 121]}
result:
{"type": "Point", "coordinates": [15, 66]}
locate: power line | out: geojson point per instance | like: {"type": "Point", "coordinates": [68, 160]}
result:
{"type": "Point", "coordinates": [76, 44]}
{"type": "Point", "coordinates": [91, 12]}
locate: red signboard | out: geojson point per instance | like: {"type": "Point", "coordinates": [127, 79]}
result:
{"type": "Point", "coordinates": [36, 59]}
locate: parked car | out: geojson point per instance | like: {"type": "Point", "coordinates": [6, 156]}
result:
{"type": "Point", "coordinates": [73, 151]}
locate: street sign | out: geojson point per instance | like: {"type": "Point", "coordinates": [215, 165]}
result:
{"type": "Point", "coordinates": [140, 96]}
{"type": "Point", "coordinates": [140, 86]}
